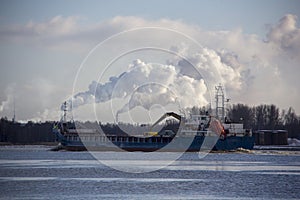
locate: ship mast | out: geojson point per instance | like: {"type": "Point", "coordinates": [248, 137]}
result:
{"type": "Point", "coordinates": [64, 108]}
{"type": "Point", "coordinates": [220, 103]}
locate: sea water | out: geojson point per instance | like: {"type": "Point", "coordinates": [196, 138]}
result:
{"type": "Point", "coordinates": [34, 172]}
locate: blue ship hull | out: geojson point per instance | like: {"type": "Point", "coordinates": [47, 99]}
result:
{"type": "Point", "coordinates": [189, 144]}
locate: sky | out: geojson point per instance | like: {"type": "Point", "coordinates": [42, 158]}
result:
{"type": "Point", "coordinates": [46, 57]}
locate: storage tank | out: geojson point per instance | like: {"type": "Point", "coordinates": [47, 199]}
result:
{"type": "Point", "coordinates": [282, 136]}
{"type": "Point", "coordinates": [271, 137]}
{"type": "Point", "coordinates": [268, 137]}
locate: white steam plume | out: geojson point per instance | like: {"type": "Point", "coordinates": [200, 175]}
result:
{"type": "Point", "coordinates": [4, 104]}
{"type": "Point", "coordinates": [147, 84]}
{"type": "Point", "coordinates": [7, 104]}
{"type": "Point", "coordinates": [177, 82]}
{"type": "Point", "coordinates": [217, 66]}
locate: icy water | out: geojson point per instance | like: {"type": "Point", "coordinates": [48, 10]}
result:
{"type": "Point", "coordinates": [34, 172]}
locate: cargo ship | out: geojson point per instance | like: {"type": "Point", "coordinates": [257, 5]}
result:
{"type": "Point", "coordinates": [194, 133]}
{"type": "Point", "coordinates": [199, 131]}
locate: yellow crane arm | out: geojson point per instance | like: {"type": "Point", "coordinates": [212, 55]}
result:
{"type": "Point", "coordinates": [168, 114]}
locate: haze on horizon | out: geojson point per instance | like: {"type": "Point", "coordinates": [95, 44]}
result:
{"type": "Point", "coordinates": [254, 45]}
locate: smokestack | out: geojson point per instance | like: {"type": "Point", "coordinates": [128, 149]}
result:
{"type": "Point", "coordinates": [14, 117]}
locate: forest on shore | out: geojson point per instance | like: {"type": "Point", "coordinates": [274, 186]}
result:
{"type": "Point", "coordinates": [261, 117]}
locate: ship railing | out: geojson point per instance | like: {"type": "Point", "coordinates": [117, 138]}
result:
{"type": "Point", "coordinates": [117, 139]}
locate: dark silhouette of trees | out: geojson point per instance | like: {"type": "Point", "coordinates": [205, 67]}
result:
{"type": "Point", "coordinates": [272, 117]}
{"type": "Point", "coordinates": [292, 123]}
{"type": "Point", "coordinates": [242, 114]}
{"type": "Point", "coordinates": [266, 117]}
{"type": "Point", "coordinates": [29, 133]}
{"type": "Point", "coordinates": [197, 110]}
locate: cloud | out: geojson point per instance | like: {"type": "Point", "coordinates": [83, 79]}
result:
{"type": "Point", "coordinates": [254, 70]}
{"type": "Point", "coordinates": [57, 26]}
{"type": "Point", "coordinates": [72, 29]}
{"type": "Point", "coordinates": [65, 33]}
{"type": "Point", "coordinates": [55, 33]}
{"type": "Point", "coordinates": [286, 34]}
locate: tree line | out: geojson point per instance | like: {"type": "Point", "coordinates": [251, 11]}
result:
{"type": "Point", "coordinates": [266, 117]}
{"type": "Point", "coordinates": [259, 117]}
{"type": "Point", "coordinates": [26, 133]}
{"type": "Point", "coordinates": [41, 132]}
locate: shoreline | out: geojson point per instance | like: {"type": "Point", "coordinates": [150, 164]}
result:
{"type": "Point", "coordinates": [54, 146]}
{"type": "Point", "coordinates": [277, 147]}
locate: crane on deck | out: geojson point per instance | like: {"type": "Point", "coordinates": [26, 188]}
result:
{"type": "Point", "coordinates": [168, 114]}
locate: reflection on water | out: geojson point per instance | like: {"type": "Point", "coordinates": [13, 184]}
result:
{"type": "Point", "coordinates": [34, 172]}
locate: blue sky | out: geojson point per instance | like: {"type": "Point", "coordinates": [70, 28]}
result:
{"type": "Point", "coordinates": [43, 42]}
{"type": "Point", "coordinates": [212, 15]}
